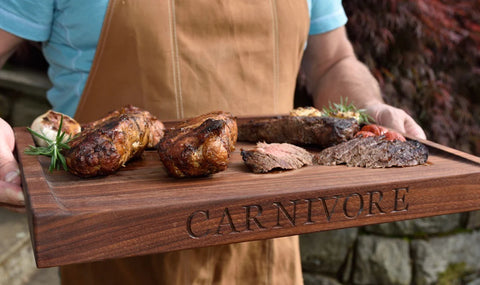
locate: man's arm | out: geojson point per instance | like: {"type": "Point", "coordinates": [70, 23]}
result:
{"type": "Point", "coordinates": [333, 72]}
{"type": "Point", "coordinates": [8, 44]}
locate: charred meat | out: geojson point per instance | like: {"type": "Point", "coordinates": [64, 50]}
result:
{"type": "Point", "coordinates": [374, 152]}
{"type": "Point", "coordinates": [106, 145]}
{"type": "Point", "coordinates": [156, 126]}
{"type": "Point", "coordinates": [199, 146]}
{"type": "Point", "coordinates": [299, 130]}
{"type": "Point", "coordinates": [266, 157]}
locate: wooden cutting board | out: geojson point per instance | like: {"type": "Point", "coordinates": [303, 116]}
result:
{"type": "Point", "coordinates": [140, 210]}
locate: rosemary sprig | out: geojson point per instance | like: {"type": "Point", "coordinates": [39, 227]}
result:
{"type": "Point", "coordinates": [54, 148]}
{"type": "Point", "coordinates": [347, 110]}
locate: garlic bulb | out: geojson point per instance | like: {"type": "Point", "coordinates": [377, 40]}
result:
{"type": "Point", "coordinates": [47, 124]}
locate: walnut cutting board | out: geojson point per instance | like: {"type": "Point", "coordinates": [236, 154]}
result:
{"type": "Point", "coordinates": [140, 210]}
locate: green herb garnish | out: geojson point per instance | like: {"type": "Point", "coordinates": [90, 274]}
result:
{"type": "Point", "coordinates": [347, 110]}
{"type": "Point", "coordinates": [54, 148]}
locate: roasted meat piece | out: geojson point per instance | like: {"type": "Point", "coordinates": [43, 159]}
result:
{"type": "Point", "coordinates": [106, 145]}
{"type": "Point", "coordinates": [298, 130]}
{"type": "Point", "coordinates": [374, 152]}
{"type": "Point", "coordinates": [199, 146]}
{"type": "Point", "coordinates": [156, 126]}
{"type": "Point", "coordinates": [266, 157]}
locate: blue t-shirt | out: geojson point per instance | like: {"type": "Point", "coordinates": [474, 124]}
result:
{"type": "Point", "coordinates": [70, 29]}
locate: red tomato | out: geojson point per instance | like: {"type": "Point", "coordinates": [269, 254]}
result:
{"type": "Point", "coordinates": [392, 136]}
{"type": "Point", "coordinates": [376, 129]}
{"type": "Point", "coordinates": [364, 134]}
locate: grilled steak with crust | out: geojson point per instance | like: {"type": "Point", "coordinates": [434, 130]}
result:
{"type": "Point", "coordinates": [299, 130]}
{"type": "Point", "coordinates": [156, 126]}
{"type": "Point", "coordinates": [266, 157]}
{"type": "Point", "coordinates": [374, 152]}
{"type": "Point", "coordinates": [199, 146]}
{"type": "Point", "coordinates": [107, 144]}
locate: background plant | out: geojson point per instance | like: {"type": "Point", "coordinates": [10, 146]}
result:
{"type": "Point", "coordinates": [426, 56]}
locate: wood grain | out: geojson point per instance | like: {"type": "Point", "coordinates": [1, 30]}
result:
{"type": "Point", "coordinates": [140, 210]}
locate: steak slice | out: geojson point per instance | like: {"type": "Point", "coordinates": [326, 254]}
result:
{"type": "Point", "coordinates": [299, 130]}
{"type": "Point", "coordinates": [266, 157]}
{"type": "Point", "coordinates": [374, 152]}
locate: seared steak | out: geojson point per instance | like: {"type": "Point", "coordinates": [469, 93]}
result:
{"type": "Point", "coordinates": [266, 157]}
{"type": "Point", "coordinates": [199, 146]}
{"type": "Point", "coordinates": [374, 152]}
{"type": "Point", "coordinates": [299, 130]}
{"type": "Point", "coordinates": [108, 144]}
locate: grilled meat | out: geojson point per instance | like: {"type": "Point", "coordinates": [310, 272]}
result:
{"type": "Point", "coordinates": [374, 152]}
{"type": "Point", "coordinates": [156, 126]}
{"type": "Point", "coordinates": [266, 157]}
{"type": "Point", "coordinates": [299, 130]}
{"type": "Point", "coordinates": [106, 145]}
{"type": "Point", "coordinates": [199, 146]}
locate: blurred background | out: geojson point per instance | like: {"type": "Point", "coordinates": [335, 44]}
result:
{"type": "Point", "coordinates": [426, 56]}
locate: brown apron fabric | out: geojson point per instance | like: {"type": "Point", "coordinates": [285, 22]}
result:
{"type": "Point", "coordinates": [179, 59]}
{"type": "Point", "coordinates": [183, 58]}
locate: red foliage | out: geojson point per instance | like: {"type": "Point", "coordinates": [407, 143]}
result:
{"type": "Point", "coordinates": [426, 56]}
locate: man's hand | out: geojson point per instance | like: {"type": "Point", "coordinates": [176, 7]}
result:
{"type": "Point", "coordinates": [333, 72]}
{"type": "Point", "coordinates": [11, 195]}
{"type": "Point", "coordinates": [395, 118]}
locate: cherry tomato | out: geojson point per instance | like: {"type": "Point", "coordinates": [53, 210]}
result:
{"type": "Point", "coordinates": [392, 136]}
{"type": "Point", "coordinates": [376, 129]}
{"type": "Point", "coordinates": [364, 134]}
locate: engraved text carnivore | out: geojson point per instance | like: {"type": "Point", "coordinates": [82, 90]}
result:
{"type": "Point", "coordinates": [272, 215]}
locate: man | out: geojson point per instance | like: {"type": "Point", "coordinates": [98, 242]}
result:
{"type": "Point", "coordinates": [179, 59]}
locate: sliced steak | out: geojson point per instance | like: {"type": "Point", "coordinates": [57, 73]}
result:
{"type": "Point", "coordinates": [299, 130]}
{"type": "Point", "coordinates": [266, 157]}
{"type": "Point", "coordinates": [374, 152]}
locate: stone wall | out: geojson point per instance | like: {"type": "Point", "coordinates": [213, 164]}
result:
{"type": "Point", "coordinates": [437, 250]}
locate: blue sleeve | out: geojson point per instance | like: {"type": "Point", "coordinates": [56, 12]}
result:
{"type": "Point", "coordinates": [326, 15]}
{"type": "Point", "coordinates": [28, 19]}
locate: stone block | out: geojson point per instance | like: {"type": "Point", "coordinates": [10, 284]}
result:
{"type": "Point", "coordinates": [381, 260]}
{"type": "Point", "coordinates": [418, 227]}
{"type": "Point", "coordinates": [435, 256]}
{"type": "Point", "coordinates": [16, 255]}
{"type": "Point", "coordinates": [326, 252]}
{"type": "Point", "coordinates": [317, 279]}
{"type": "Point", "coordinates": [473, 220]}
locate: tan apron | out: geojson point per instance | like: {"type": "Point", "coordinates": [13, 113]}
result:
{"type": "Point", "coordinates": [178, 59]}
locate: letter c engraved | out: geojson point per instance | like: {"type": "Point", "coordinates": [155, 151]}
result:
{"type": "Point", "coordinates": [206, 214]}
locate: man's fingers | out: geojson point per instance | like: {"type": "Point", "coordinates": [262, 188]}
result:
{"type": "Point", "coordinates": [11, 194]}
{"type": "Point", "coordinates": [13, 208]}
{"type": "Point", "coordinates": [413, 129]}
{"type": "Point", "coordinates": [396, 119]}
{"type": "Point", "coordinates": [9, 171]}
{"type": "Point", "coordinates": [7, 138]}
